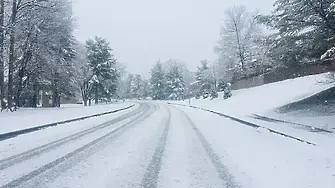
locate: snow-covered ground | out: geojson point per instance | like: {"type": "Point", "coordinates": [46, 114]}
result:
{"type": "Point", "coordinates": [264, 100]}
{"type": "Point", "coordinates": [167, 146]}
{"type": "Point", "coordinates": [26, 118]}
{"type": "Point", "coordinates": [260, 159]}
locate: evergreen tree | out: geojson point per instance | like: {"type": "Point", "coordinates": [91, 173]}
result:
{"type": "Point", "coordinates": [204, 78]}
{"type": "Point", "coordinates": [101, 61]}
{"type": "Point", "coordinates": [222, 85]}
{"type": "Point", "coordinates": [145, 89]}
{"type": "Point", "coordinates": [175, 85]}
{"type": "Point", "coordinates": [129, 86]}
{"type": "Point", "coordinates": [305, 30]}
{"type": "Point", "coordinates": [136, 89]}
{"type": "Point", "coordinates": [157, 82]}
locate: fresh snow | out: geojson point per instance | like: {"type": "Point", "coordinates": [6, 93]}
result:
{"type": "Point", "coordinates": [173, 147]}
{"type": "Point", "coordinates": [26, 118]}
{"type": "Point", "coordinates": [260, 159]}
{"type": "Point", "coordinates": [264, 100]}
{"type": "Point", "coordinates": [178, 146]}
{"type": "Point", "coordinates": [29, 141]}
{"type": "Point", "coordinates": [267, 97]}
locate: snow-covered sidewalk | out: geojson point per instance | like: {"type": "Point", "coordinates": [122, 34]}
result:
{"type": "Point", "coordinates": [27, 118]}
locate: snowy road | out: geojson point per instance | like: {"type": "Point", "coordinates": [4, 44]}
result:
{"type": "Point", "coordinates": [156, 145]}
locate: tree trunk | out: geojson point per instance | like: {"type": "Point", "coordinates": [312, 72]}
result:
{"type": "Point", "coordinates": [85, 89]}
{"type": "Point", "coordinates": [96, 94]}
{"type": "Point", "coordinates": [19, 88]}
{"type": "Point", "coordinates": [85, 101]}
{"type": "Point", "coordinates": [90, 102]}
{"type": "Point", "coordinates": [2, 63]}
{"type": "Point", "coordinates": [240, 51]}
{"type": "Point", "coordinates": [22, 70]}
{"type": "Point", "coordinates": [56, 99]}
{"type": "Point", "coordinates": [11, 56]}
{"type": "Point", "coordinates": [34, 101]}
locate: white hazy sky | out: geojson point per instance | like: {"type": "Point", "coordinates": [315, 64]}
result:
{"type": "Point", "coordinates": [143, 31]}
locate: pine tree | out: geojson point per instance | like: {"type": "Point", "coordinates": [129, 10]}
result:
{"type": "Point", "coordinates": [222, 85]}
{"type": "Point", "coordinates": [129, 86]}
{"type": "Point", "coordinates": [305, 30]}
{"type": "Point", "coordinates": [136, 89]}
{"type": "Point", "coordinates": [101, 62]}
{"type": "Point", "coordinates": [175, 85]}
{"type": "Point", "coordinates": [157, 82]}
{"type": "Point", "coordinates": [204, 78]}
{"type": "Point", "coordinates": [145, 89]}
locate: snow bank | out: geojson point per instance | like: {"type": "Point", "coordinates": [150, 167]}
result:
{"type": "Point", "coordinates": [26, 118]}
{"type": "Point", "coordinates": [264, 98]}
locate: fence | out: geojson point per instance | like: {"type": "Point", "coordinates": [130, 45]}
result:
{"type": "Point", "coordinates": [285, 73]}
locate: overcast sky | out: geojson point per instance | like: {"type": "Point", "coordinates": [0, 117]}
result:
{"type": "Point", "coordinates": [143, 31]}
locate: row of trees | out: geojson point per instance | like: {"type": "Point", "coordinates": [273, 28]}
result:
{"type": "Point", "coordinates": [38, 52]}
{"type": "Point", "coordinates": [134, 86]}
{"type": "Point", "coordinates": [167, 81]}
{"type": "Point", "coordinates": [301, 31]}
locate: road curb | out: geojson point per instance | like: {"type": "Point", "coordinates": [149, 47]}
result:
{"type": "Point", "coordinates": [12, 134]}
{"type": "Point", "coordinates": [253, 125]}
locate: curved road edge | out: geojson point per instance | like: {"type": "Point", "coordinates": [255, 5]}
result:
{"type": "Point", "coordinates": [13, 134]}
{"type": "Point", "coordinates": [250, 124]}
{"type": "Point", "coordinates": [52, 169]}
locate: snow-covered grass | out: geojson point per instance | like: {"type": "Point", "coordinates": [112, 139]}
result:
{"type": "Point", "coordinates": [265, 99]}
{"type": "Point", "coordinates": [26, 118]}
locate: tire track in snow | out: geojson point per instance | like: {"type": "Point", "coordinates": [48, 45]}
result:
{"type": "Point", "coordinates": [150, 178]}
{"type": "Point", "coordinates": [10, 161]}
{"type": "Point", "coordinates": [54, 168]}
{"type": "Point", "coordinates": [221, 169]}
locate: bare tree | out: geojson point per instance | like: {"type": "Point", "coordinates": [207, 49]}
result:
{"type": "Point", "coordinates": [239, 35]}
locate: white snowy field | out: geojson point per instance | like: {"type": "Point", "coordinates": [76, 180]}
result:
{"type": "Point", "coordinates": [263, 100]}
{"type": "Point", "coordinates": [27, 117]}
